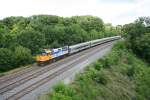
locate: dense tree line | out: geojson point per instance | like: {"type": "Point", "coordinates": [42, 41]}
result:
{"type": "Point", "coordinates": [138, 37]}
{"type": "Point", "coordinates": [21, 38]}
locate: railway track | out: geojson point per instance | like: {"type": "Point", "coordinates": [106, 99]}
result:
{"type": "Point", "coordinates": [31, 75]}
{"type": "Point", "coordinates": [16, 74]}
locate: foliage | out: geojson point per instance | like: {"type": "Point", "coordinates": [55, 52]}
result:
{"type": "Point", "coordinates": [143, 84]}
{"type": "Point", "coordinates": [63, 92]}
{"type": "Point", "coordinates": [110, 30]}
{"type": "Point", "coordinates": [138, 34]}
{"type": "Point", "coordinates": [6, 59]}
{"type": "Point", "coordinates": [10, 60]}
{"type": "Point", "coordinates": [100, 78]}
{"type": "Point", "coordinates": [97, 65]}
{"type": "Point", "coordinates": [142, 45]}
{"type": "Point", "coordinates": [22, 56]}
{"type": "Point", "coordinates": [32, 40]}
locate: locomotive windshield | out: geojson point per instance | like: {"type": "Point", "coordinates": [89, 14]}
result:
{"type": "Point", "coordinates": [45, 51]}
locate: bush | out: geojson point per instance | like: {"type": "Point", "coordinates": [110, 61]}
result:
{"type": "Point", "coordinates": [100, 78]}
{"type": "Point", "coordinates": [59, 96]}
{"type": "Point", "coordinates": [97, 65]}
{"type": "Point", "coordinates": [22, 56]}
{"type": "Point", "coordinates": [143, 84]}
{"type": "Point", "coordinates": [63, 92]}
{"type": "Point", "coordinates": [121, 45]}
{"type": "Point", "coordinates": [105, 62]}
{"type": "Point", "coordinates": [9, 60]}
{"type": "Point", "coordinates": [130, 71]}
{"type": "Point", "coordinates": [6, 59]}
{"type": "Point", "coordinates": [142, 46]}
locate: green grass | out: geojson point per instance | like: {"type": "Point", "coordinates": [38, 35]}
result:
{"type": "Point", "coordinates": [118, 76]}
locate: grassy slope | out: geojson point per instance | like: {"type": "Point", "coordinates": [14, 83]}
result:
{"type": "Point", "coordinates": [119, 76]}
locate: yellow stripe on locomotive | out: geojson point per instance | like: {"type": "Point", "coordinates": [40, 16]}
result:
{"type": "Point", "coordinates": [44, 56]}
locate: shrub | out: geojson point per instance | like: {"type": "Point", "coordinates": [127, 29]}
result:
{"type": "Point", "coordinates": [87, 75]}
{"type": "Point", "coordinates": [143, 84]}
{"type": "Point", "coordinates": [142, 46]}
{"type": "Point", "coordinates": [100, 77]}
{"type": "Point", "coordinates": [66, 90]}
{"type": "Point", "coordinates": [97, 65]}
{"type": "Point", "coordinates": [121, 45]}
{"type": "Point", "coordinates": [105, 62]}
{"type": "Point", "coordinates": [130, 71]}
{"type": "Point", "coordinates": [63, 92]}
{"type": "Point", "coordinates": [6, 59]}
{"type": "Point", "coordinates": [22, 56]}
{"type": "Point", "coordinates": [59, 96]}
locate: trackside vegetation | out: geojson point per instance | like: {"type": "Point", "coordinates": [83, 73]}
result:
{"type": "Point", "coordinates": [120, 75]}
{"type": "Point", "coordinates": [21, 38]}
{"type": "Point", "coordinates": [138, 37]}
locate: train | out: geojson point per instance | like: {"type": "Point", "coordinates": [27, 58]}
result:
{"type": "Point", "coordinates": [52, 55]}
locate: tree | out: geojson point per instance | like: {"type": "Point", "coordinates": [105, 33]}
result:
{"type": "Point", "coordinates": [32, 40]}
{"type": "Point", "coordinates": [91, 22]}
{"type": "Point", "coordinates": [10, 21]}
{"type": "Point", "coordinates": [9, 41]}
{"type": "Point", "coordinates": [6, 59]}
{"type": "Point", "coordinates": [142, 46]}
{"type": "Point", "coordinates": [53, 34]}
{"type": "Point", "coordinates": [3, 30]}
{"type": "Point", "coordinates": [134, 30]}
{"type": "Point", "coordinates": [137, 38]}
{"type": "Point", "coordinates": [75, 34]}
{"type": "Point", "coordinates": [22, 56]}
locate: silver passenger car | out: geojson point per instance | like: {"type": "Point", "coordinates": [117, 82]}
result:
{"type": "Point", "coordinates": [79, 47]}
{"type": "Point", "coordinates": [103, 40]}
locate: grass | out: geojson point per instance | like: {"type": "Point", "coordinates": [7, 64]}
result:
{"type": "Point", "coordinates": [118, 76]}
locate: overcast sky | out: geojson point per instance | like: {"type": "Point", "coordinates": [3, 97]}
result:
{"type": "Point", "coordinates": [112, 11]}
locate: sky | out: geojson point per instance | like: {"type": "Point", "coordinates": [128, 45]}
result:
{"type": "Point", "coordinates": [117, 12]}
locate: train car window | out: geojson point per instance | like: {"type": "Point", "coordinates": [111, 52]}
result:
{"type": "Point", "coordinates": [59, 49]}
{"type": "Point", "coordinates": [96, 42]}
{"type": "Point", "coordinates": [43, 54]}
{"type": "Point", "coordinates": [81, 46]}
{"type": "Point", "coordinates": [65, 48]}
